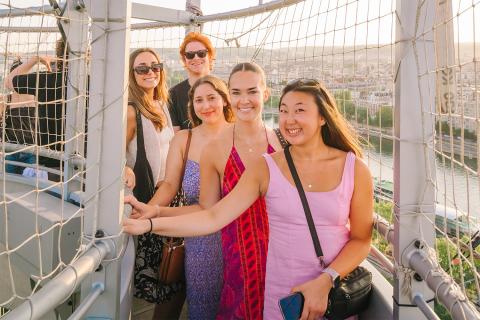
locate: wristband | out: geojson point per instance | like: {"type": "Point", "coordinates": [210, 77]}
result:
{"type": "Point", "coordinates": [151, 225]}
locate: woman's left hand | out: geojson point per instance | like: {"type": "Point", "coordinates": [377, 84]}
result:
{"type": "Point", "coordinates": [315, 293]}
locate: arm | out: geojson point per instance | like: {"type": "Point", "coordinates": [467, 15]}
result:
{"type": "Point", "coordinates": [25, 68]}
{"type": "Point", "coordinates": [355, 250]}
{"type": "Point", "coordinates": [173, 172]}
{"type": "Point", "coordinates": [251, 185]}
{"type": "Point", "coordinates": [210, 190]}
{"type": "Point", "coordinates": [129, 175]}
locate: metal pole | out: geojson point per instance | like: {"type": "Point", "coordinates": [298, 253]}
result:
{"type": "Point", "coordinates": [445, 54]}
{"type": "Point", "coordinates": [106, 142]}
{"type": "Point", "coordinates": [76, 30]}
{"type": "Point", "coordinates": [423, 305]}
{"type": "Point", "coordinates": [448, 292]}
{"type": "Point", "coordinates": [414, 162]}
{"type": "Point", "coordinates": [195, 7]}
{"type": "Point", "coordinates": [97, 290]}
{"type": "Point", "coordinates": [63, 285]}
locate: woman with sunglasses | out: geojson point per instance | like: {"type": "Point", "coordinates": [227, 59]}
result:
{"type": "Point", "coordinates": [197, 54]}
{"type": "Point", "coordinates": [338, 185]}
{"type": "Point", "coordinates": [149, 131]}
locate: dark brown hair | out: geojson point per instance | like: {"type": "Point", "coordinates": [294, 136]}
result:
{"type": "Point", "coordinates": [248, 66]}
{"type": "Point", "coordinates": [336, 132]}
{"type": "Point", "coordinates": [220, 87]}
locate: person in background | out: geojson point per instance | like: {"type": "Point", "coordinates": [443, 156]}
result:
{"type": "Point", "coordinates": [210, 112]}
{"type": "Point", "coordinates": [338, 187]}
{"type": "Point", "coordinates": [19, 125]}
{"type": "Point", "coordinates": [197, 54]}
{"type": "Point", "coordinates": [149, 132]}
{"type": "Point", "coordinates": [48, 87]}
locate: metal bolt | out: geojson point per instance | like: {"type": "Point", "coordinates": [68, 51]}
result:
{"type": "Point", "coordinates": [99, 233]}
{"type": "Point", "coordinates": [417, 277]}
{"type": "Point", "coordinates": [418, 244]}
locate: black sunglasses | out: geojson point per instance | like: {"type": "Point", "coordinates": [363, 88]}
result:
{"type": "Point", "coordinates": [200, 53]}
{"type": "Point", "coordinates": [156, 67]}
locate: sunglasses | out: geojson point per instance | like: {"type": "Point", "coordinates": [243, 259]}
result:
{"type": "Point", "coordinates": [156, 67]}
{"type": "Point", "coordinates": [200, 53]}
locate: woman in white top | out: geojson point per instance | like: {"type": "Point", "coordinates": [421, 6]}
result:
{"type": "Point", "coordinates": [149, 131]}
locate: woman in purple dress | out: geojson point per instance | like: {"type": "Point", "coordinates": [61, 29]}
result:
{"type": "Point", "coordinates": [210, 112]}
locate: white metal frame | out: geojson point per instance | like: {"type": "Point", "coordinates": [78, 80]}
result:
{"type": "Point", "coordinates": [414, 96]}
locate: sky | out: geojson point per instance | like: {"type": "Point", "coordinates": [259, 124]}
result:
{"type": "Point", "coordinates": [336, 16]}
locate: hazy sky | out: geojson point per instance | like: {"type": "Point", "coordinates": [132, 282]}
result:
{"type": "Point", "coordinates": [340, 22]}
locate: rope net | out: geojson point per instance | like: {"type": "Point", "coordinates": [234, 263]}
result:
{"type": "Point", "coordinates": [42, 129]}
{"type": "Point", "coordinates": [347, 44]}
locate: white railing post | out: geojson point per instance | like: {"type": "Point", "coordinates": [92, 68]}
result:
{"type": "Point", "coordinates": [106, 144]}
{"type": "Point", "coordinates": [414, 162]}
{"type": "Point", "coordinates": [76, 30]}
{"type": "Point", "coordinates": [194, 7]}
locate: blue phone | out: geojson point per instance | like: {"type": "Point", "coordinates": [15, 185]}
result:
{"type": "Point", "coordinates": [292, 306]}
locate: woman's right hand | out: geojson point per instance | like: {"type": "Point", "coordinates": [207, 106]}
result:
{"type": "Point", "coordinates": [141, 210]}
{"type": "Point", "coordinates": [129, 177]}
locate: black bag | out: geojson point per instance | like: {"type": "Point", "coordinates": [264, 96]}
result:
{"type": "Point", "coordinates": [148, 256]}
{"type": "Point", "coordinates": [352, 295]}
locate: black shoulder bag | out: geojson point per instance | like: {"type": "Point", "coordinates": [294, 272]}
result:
{"type": "Point", "coordinates": [352, 295]}
{"type": "Point", "coordinates": [148, 257]}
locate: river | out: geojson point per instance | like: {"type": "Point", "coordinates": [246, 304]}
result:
{"type": "Point", "coordinates": [453, 184]}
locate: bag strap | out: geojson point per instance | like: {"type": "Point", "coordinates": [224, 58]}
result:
{"type": "Point", "coordinates": [306, 207]}
{"type": "Point", "coordinates": [283, 142]}
{"type": "Point", "coordinates": [185, 155]}
{"type": "Point", "coordinates": [141, 161]}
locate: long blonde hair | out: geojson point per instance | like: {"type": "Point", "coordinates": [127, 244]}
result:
{"type": "Point", "coordinates": [138, 97]}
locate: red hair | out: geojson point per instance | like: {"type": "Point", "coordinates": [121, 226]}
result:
{"type": "Point", "coordinates": [197, 36]}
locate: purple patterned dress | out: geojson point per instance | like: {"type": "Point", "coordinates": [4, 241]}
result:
{"type": "Point", "coordinates": [203, 259]}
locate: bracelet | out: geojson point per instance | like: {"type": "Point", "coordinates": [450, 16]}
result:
{"type": "Point", "coordinates": [151, 225]}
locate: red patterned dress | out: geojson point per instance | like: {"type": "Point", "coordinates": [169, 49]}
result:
{"type": "Point", "coordinates": [244, 246]}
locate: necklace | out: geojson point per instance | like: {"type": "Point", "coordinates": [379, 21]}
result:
{"type": "Point", "coordinates": [250, 145]}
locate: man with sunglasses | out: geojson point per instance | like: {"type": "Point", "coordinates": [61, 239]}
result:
{"type": "Point", "coordinates": [197, 54]}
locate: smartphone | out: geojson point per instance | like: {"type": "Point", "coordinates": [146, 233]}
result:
{"type": "Point", "coordinates": [292, 306]}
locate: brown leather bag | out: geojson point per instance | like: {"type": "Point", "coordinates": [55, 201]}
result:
{"type": "Point", "coordinates": [172, 265]}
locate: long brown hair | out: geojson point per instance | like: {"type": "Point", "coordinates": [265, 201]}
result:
{"type": "Point", "coordinates": [336, 132]}
{"type": "Point", "coordinates": [138, 96]}
{"type": "Point", "coordinates": [218, 85]}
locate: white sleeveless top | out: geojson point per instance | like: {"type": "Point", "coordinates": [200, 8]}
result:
{"type": "Point", "coordinates": [157, 144]}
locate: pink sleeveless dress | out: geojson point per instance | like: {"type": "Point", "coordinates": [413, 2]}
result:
{"type": "Point", "coordinates": [291, 256]}
{"type": "Point", "coordinates": [244, 248]}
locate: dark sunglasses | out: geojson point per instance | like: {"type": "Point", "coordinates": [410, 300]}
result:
{"type": "Point", "coordinates": [200, 53]}
{"type": "Point", "coordinates": [156, 67]}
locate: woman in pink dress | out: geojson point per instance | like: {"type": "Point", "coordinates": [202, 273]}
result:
{"type": "Point", "coordinates": [339, 190]}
